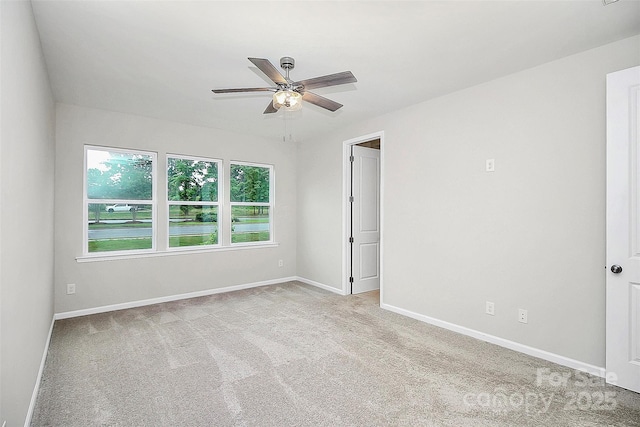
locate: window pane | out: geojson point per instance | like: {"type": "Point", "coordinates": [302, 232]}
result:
{"type": "Point", "coordinates": [249, 224]}
{"type": "Point", "coordinates": [249, 183]}
{"type": "Point", "coordinates": [193, 225]}
{"type": "Point", "coordinates": [114, 175]}
{"type": "Point", "coordinates": [119, 227]}
{"type": "Point", "coordinates": [192, 180]}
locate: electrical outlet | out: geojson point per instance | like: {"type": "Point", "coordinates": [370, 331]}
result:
{"type": "Point", "coordinates": [71, 288]}
{"type": "Point", "coordinates": [491, 165]}
{"type": "Point", "coordinates": [522, 315]}
{"type": "Point", "coordinates": [280, 263]}
{"type": "Point", "coordinates": [489, 308]}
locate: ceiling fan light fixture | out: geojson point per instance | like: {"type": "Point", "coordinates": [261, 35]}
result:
{"type": "Point", "coordinates": [289, 100]}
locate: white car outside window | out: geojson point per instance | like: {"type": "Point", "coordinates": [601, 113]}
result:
{"type": "Point", "coordinates": [120, 208]}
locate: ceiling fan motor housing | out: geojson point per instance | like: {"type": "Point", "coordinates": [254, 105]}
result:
{"type": "Point", "coordinates": [287, 63]}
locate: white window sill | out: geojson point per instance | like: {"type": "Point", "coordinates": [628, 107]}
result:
{"type": "Point", "coordinates": [172, 252]}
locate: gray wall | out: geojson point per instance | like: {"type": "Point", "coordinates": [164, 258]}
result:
{"type": "Point", "coordinates": [119, 281]}
{"type": "Point", "coordinates": [530, 235]}
{"type": "Point", "coordinates": [26, 199]}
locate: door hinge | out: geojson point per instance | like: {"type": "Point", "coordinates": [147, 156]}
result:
{"type": "Point", "coordinates": [351, 279]}
{"type": "Point", "coordinates": [350, 199]}
{"type": "Point", "coordinates": [352, 159]}
{"type": "Point", "coordinates": [350, 239]}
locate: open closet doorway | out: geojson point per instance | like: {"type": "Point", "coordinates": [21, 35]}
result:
{"type": "Point", "coordinates": [362, 227]}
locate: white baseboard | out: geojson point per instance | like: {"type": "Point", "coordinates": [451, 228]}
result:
{"type": "Point", "coordinates": [320, 285]}
{"type": "Point", "coordinates": [531, 351]}
{"type": "Point", "coordinates": [141, 303]}
{"type": "Point", "coordinates": [36, 388]}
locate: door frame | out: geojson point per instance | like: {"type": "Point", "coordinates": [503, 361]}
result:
{"type": "Point", "coordinates": [346, 180]}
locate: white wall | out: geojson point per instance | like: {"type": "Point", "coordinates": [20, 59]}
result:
{"type": "Point", "coordinates": [119, 281]}
{"type": "Point", "coordinates": [26, 199]}
{"type": "Point", "coordinates": [530, 235]}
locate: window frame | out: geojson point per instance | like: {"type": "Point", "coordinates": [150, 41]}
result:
{"type": "Point", "coordinates": [270, 204]}
{"type": "Point", "coordinates": [218, 203]}
{"type": "Point", "coordinates": [158, 212]}
{"type": "Point", "coordinates": [153, 202]}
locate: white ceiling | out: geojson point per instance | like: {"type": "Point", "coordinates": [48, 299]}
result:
{"type": "Point", "coordinates": [162, 58]}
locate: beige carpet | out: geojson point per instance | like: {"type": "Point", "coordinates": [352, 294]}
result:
{"type": "Point", "coordinates": [294, 355]}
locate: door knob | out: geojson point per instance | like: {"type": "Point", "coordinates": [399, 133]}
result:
{"type": "Point", "coordinates": [616, 269]}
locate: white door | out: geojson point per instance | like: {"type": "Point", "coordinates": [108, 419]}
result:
{"type": "Point", "coordinates": [365, 219]}
{"type": "Point", "coordinates": [623, 228]}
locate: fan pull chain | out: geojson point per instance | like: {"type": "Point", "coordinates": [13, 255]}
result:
{"type": "Point", "coordinates": [284, 117]}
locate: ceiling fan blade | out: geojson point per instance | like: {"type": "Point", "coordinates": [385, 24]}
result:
{"type": "Point", "coordinates": [267, 67]}
{"type": "Point", "coordinates": [329, 80]}
{"type": "Point", "coordinates": [246, 89]}
{"type": "Point", "coordinates": [270, 108]}
{"type": "Point", "coordinates": [321, 101]}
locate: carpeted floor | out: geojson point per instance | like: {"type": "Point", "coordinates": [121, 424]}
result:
{"type": "Point", "coordinates": [295, 355]}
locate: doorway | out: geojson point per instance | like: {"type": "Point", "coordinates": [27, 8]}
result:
{"type": "Point", "coordinates": [362, 226]}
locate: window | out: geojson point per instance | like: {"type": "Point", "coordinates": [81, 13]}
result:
{"type": "Point", "coordinates": [119, 201]}
{"type": "Point", "coordinates": [251, 196]}
{"type": "Point", "coordinates": [193, 187]}
{"type": "Point", "coordinates": [121, 208]}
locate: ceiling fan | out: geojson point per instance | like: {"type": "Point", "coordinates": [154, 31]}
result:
{"type": "Point", "coordinates": [289, 94]}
